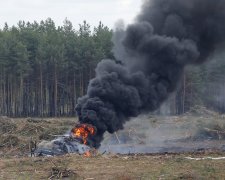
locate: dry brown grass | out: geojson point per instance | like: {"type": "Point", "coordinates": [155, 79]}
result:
{"type": "Point", "coordinates": [14, 163]}
{"type": "Point", "coordinates": [114, 167]}
{"type": "Point", "coordinates": [15, 134]}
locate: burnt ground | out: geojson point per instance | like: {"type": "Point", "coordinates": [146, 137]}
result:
{"type": "Point", "coordinates": [191, 132]}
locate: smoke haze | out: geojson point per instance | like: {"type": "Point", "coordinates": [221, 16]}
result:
{"type": "Point", "coordinates": [152, 53]}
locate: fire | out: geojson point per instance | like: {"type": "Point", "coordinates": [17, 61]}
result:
{"type": "Point", "coordinates": [87, 154]}
{"type": "Point", "coordinates": [83, 131]}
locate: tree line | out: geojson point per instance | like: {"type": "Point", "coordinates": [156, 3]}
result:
{"type": "Point", "coordinates": [44, 68]}
{"type": "Point", "coordinates": [200, 86]}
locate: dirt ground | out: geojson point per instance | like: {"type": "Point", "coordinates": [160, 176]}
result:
{"type": "Point", "coordinates": [15, 135]}
{"type": "Point", "coordinates": [116, 167]}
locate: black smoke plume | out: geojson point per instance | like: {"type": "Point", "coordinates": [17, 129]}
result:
{"type": "Point", "coordinates": [167, 36]}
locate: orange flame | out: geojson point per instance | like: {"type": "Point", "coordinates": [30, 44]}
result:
{"type": "Point", "coordinates": [83, 131]}
{"type": "Point", "coordinates": [87, 154]}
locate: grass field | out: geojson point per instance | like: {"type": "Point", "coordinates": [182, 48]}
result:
{"type": "Point", "coordinates": [15, 135]}
{"type": "Point", "coordinates": [114, 167]}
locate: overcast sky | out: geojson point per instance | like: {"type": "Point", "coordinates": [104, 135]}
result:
{"type": "Point", "coordinates": [107, 11]}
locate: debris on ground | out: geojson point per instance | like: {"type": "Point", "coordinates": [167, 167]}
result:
{"type": "Point", "coordinates": [58, 173]}
{"type": "Point", "coordinates": [206, 158]}
{"type": "Point", "coordinates": [15, 133]}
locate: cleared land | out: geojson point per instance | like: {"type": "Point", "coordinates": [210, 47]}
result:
{"type": "Point", "coordinates": [15, 135]}
{"type": "Point", "coordinates": [114, 167]}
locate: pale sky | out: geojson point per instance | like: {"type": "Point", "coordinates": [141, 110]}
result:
{"type": "Point", "coordinates": [93, 11]}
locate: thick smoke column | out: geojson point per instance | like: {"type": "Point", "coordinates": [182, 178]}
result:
{"type": "Point", "coordinates": [167, 36]}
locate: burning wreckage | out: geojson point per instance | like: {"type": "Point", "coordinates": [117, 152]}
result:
{"type": "Point", "coordinates": [74, 142]}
